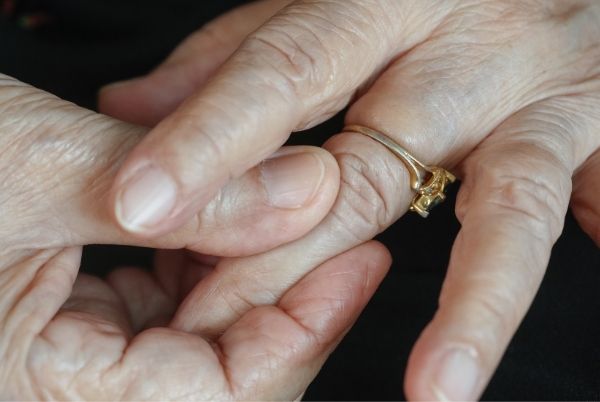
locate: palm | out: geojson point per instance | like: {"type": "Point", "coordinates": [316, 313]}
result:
{"type": "Point", "coordinates": [100, 344]}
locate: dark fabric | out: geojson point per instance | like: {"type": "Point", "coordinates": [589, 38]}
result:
{"type": "Point", "coordinates": [556, 352]}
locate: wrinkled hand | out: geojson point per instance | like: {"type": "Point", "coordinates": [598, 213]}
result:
{"type": "Point", "coordinates": [70, 336]}
{"type": "Point", "coordinates": [506, 93]}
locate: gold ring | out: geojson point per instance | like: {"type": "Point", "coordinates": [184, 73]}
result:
{"type": "Point", "coordinates": [428, 181]}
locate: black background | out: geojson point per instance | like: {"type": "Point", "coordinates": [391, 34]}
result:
{"type": "Point", "coordinates": [554, 355]}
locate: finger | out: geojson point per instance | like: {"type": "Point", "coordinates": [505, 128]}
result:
{"type": "Point", "coordinates": [431, 101]}
{"type": "Point", "coordinates": [270, 354]}
{"type": "Point", "coordinates": [149, 99]}
{"type": "Point", "coordinates": [36, 288]}
{"type": "Point", "coordinates": [64, 160]}
{"type": "Point", "coordinates": [512, 207]}
{"type": "Point", "coordinates": [146, 302]}
{"type": "Point", "coordinates": [94, 304]}
{"type": "Point", "coordinates": [292, 73]}
{"type": "Point", "coordinates": [276, 202]}
{"type": "Point", "coordinates": [373, 194]}
{"type": "Point", "coordinates": [179, 271]}
{"type": "Point", "coordinates": [584, 202]}
{"type": "Point", "coordinates": [151, 298]}
{"type": "Point", "coordinates": [273, 353]}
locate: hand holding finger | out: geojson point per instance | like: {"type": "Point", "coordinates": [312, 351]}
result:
{"type": "Point", "coordinates": [286, 344]}
{"type": "Point", "coordinates": [70, 338]}
{"type": "Point", "coordinates": [375, 190]}
{"type": "Point", "coordinates": [280, 199]}
{"type": "Point", "coordinates": [464, 115]}
{"type": "Point", "coordinates": [292, 73]}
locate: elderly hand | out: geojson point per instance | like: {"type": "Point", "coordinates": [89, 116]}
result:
{"type": "Point", "coordinates": [69, 336]}
{"type": "Point", "coordinates": [506, 93]}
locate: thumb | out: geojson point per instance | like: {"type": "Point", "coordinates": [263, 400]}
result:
{"type": "Point", "coordinates": [149, 99]}
{"type": "Point", "coordinates": [58, 162]}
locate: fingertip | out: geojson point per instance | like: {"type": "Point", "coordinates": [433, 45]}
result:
{"type": "Point", "coordinates": [148, 198]}
{"type": "Point", "coordinates": [144, 100]}
{"type": "Point", "coordinates": [277, 202]}
{"type": "Point", "coordinates": [372, 258]}
{"type": "Point", "coordinates": [300, 177]}
{"type": "Point", "coordinates": [376, 260]}
{"type": "Point", "coordinates": [125, 100]}
{"type": "Point", "coordinates": [415, 385]}
{"type": "Point", "coordinates": [418, 383]}
{"type": "Point", "coordinates": [439, 370]}
{"type": "Point", "coordinates": [145, 200]}
{"type": "Point", "coordinates": [382, 253]}
{"type": "Point", "coordinates": [343, 285]}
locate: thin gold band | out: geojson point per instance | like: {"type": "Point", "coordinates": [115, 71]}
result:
{"type": "Point", "coordinates": [428, 181]}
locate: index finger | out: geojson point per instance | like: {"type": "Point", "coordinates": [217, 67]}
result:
{"type": "Point", "coordinates": [300, 68]}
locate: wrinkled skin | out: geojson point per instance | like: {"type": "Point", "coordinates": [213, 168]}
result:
{"type": "Point", "coordinates": [69, 336]}
{"type": "Point", "coordinates": [504, 93]}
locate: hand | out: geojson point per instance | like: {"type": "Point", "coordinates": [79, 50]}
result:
{"type": "Point", "coordinates": [505, 93]}
{"type": "Point", "coordinates": [69, 336]}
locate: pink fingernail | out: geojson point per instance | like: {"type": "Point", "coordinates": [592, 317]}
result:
{"type": "Point", "coordinates": [457, 376]}
{"type": "Point", "coordinates": [146, 199]}
{"type": "Point", "coordinates": [292, 180]}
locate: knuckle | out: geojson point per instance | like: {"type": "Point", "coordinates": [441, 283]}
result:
{"type": "Point", "coordinates": [537, 201]}
{"type": "Point", "coordinates": [364, 206]}
{"type": "Point", "coordinates": [531, 199]}
{"type": "Point", "coordinates": [498, 307]}
{"type": "Point", "coordinates": [295, 55]}
{"type": "Point", "coordinates": [234, 297]}
{"type": "Point", "coordinates": [499, 316]}
{"type": "Point", "coordinates": [304, 42]}
{"type": "Point", "coordinates": [495, 314]}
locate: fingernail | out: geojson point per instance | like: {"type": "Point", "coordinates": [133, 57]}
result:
{"type": "Point", "coordinates": [292, 180]}
{"type": "Point", "coordinates": [457, 377]}
{"type": "Point", "coordinates": [146, 199]}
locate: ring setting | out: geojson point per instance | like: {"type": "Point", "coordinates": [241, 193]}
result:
{"type": "Point", "coordinates": [429, 182]}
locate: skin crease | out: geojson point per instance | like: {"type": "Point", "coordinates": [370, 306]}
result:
{"type": "Point", "coordinates": [69, 336]}
{"type": "Point", "coordinates": [504, 93]}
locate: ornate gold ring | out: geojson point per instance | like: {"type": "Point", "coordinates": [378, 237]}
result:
{"type": "Point", "coordinates": [429, 182]}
